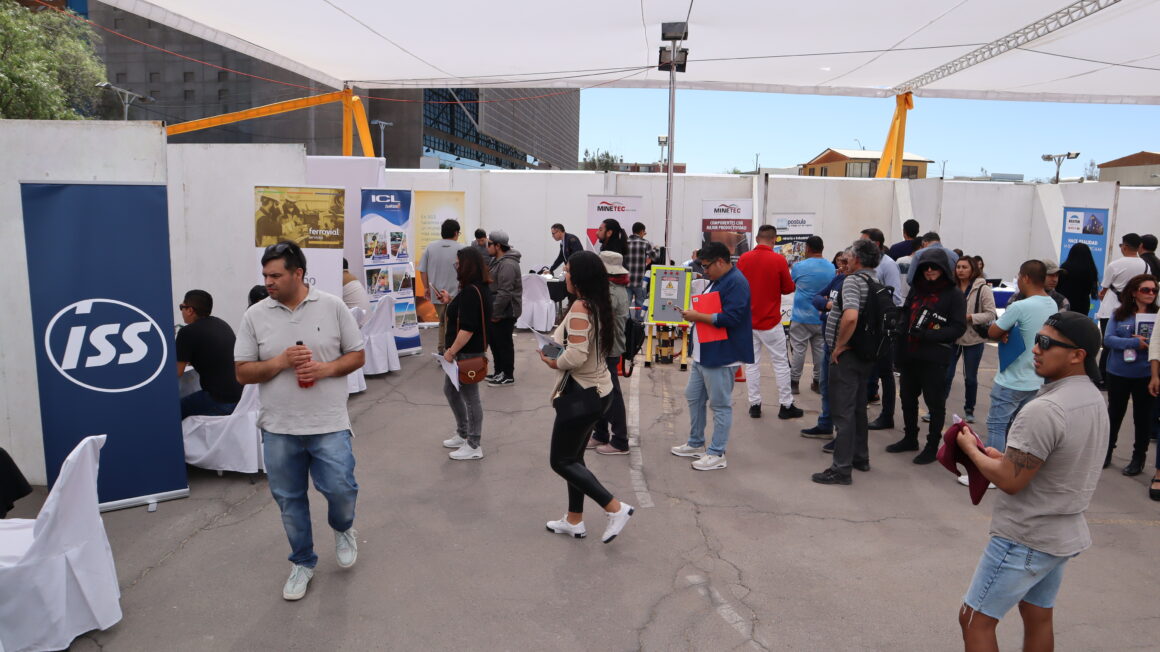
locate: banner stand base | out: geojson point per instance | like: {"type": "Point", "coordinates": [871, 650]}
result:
{"type": "Point", "coordinates": [144, 500]}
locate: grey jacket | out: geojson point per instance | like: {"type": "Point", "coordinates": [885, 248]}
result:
{"type": "Point", "coordinates": [619, 296]}
{"type": "Point", "coordinates": [507, 286]}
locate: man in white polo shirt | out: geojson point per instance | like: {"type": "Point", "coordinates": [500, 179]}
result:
{"type": "Point", "coordinates": [299, 344]}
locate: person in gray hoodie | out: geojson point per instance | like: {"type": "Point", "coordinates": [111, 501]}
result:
{"type": "Point", "coordinates": [507, 287]}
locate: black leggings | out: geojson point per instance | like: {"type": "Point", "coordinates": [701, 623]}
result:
{"type": "Point", "coordinates": [566, 456]}
{"type": "Point", "coordinates": [1120, 389]}
{"type": "Point", "coordinates": [928, 379]}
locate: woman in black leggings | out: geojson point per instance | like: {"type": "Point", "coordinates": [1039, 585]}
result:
{"type": "Point", "coordinates": [586, 335]}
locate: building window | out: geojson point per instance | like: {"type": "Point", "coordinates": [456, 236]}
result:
{"type": "Point", "coordinates": [223, 93]}
{"type": "Point", "coordinates": [121, 77]}
{"type": "Point", "coordinates": [154, 76]}
{"type": "Point", "coordinates": [825, 172]}
{"type": "Point", "coordinates": [863, 169]}
{"type": "Point", "coordinates": [910, 172]}
{"type": "Point", "coordinates": [187, 77]}
{"type": "Point", "coordinates": [223, 75]}
{"type": "Point", "coordinates": [188, 95]}
{"type": "Point", "coordinates": [811, 172]}
{"type": "Point", "coordinates": [117, 23]}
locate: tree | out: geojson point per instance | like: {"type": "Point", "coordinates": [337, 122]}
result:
{"type": "Point", "coordinates": [604, 161]}
{"type": "Point", "coordinates": [1092, 171]}
{"type": "Point", "coordinates": [48, 65]}
{"type": "Point", "coordinates": [735, 170]}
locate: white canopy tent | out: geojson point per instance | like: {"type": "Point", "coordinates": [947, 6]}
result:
{"type": "Point", "coordinates": [1100, 51]}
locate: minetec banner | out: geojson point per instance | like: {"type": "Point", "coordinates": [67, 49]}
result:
{"type": "Point", "coordinates": [1088, 226]}
{"type": "Point", "coordinates": [728, 221]}
{"type": "Point", "coordinates": [388, 259]}
{"type": "Point", "coordinates": [313, 218]}
{"type": "Point", "coordinates": [104, 339]}
{"type": "Point", "coordinates": [625, 209]}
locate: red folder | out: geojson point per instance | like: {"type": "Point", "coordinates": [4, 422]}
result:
{"type": "Point", "coordinates": [709, 304]}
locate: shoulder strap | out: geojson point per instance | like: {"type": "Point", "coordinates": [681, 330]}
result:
{"type": "Point", "coordinates": [482, 317]}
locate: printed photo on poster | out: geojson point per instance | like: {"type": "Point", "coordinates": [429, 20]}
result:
{"type": "Point", "coordinates": [728, 221]}
{"type": "Point", "coordinates": [793, 229]}
{"type": "Point", "coordinates": [625, 209]}
{"type": "Point", "coordinates": [311, 217]}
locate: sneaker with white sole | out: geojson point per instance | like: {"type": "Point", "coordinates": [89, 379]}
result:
{"type": "Point", "coordinates": [562, 526]}
{"type": "Point", "coordinates": [346, 547]}
{"type": "Point", "coordinates": [685, 450]}
{"type": "Point", "coordinates": [616, 521]}
{"type": "Point", "coordinates": [466, 452]}
{"type": "Point", "coordinates": [965, 480]}
{"type": "Point", "coordinates": [710, 462]}
{"type": "Point", "coordinates": [296, 584]}
{"type": "Point", "coordinates": [454, 442]}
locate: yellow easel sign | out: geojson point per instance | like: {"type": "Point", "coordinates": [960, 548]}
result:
{"type": "Point", "coordinates": [668, 294]}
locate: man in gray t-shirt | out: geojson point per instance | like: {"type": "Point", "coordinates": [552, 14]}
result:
{"type": "Point", "coordinates": [437, 270]}
{"type": "Point", "coordinates": [299, 344]}
{"type": "Point", "coordinates": [1048, 473]}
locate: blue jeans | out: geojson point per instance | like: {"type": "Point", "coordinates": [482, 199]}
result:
{"type": "Point", "coordinates": [824, 420]}
{"type": "Point", "coordinates": [972, 355]}
{"type": "Point", "coordinates": [713, 385]}
{"type": "Point", "coordinates": [1009, 573]}
{"type": "Point", "coordinates": [638, 296]}
{"type": "Point", "coordinates": [1004, 404]}
{"type": "Point", "coordinates": [200, 402]}
{"type": "Point", "coordinates": [327, 458]}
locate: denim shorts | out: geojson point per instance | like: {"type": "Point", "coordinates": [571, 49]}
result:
{"type": "Point", "coordinates": [1009, 573]}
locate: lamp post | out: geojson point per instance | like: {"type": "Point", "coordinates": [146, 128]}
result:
{"type": "Point", "coordinates": [382, 130]}
{"type": "Point", "coordinates": [126, 96]}
{"type": "Point", "coordinates": [1058, 158]}
{"type": "Point", "coordinates": [663, 141]}
{"type": "Point", "coordinates": [672, 59]}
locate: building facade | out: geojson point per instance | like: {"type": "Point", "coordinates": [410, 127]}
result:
{"type": "Point", "coordinates": [1139, 169]}
{"type": "Point", "coordinates": [860, 163]}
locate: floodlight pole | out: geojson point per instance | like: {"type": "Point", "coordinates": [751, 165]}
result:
{"type": "Point", "coordinates": [669, 161]}
{"type": "Point", "coordinates": [382, 131]}
{"type": "Point", "coordinates": [126, 96]}
{"type": "Point", "coordinates": [1058, 158]}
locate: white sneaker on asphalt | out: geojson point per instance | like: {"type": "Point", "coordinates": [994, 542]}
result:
{"type": "Point", "coordinates": [296, 584]}
{"type": "Point", "coordinates": [685, 450]}
{"type": "Point", "coordinates": [710, 462]}
{"type": "Point", "coordinates": [965, 480]}
{"type": "Point", "coordinates": [346, 547]}
{"type": "Point", "coordinates": [466, 452]}
{"type": "Point", "coordinates": [454, 442]}
{"type": "Point", "coordinates": [562, 526]}
{"type": "Point", "coordinates": [616, 522]}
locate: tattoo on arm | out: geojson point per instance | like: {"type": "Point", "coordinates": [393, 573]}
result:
{"type": "Point", "coordinates": [1022, 461]}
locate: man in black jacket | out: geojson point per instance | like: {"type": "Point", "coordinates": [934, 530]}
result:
{"type": "Point", "coordinates": [507, 287]}
{"type": "Point", "coordinates": [1148, 253]}
{"type": "Point", "coordinates": [569, 244]}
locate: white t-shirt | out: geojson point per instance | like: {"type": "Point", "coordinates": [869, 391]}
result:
{"type": "Point", "coordinates": [1116, 276]}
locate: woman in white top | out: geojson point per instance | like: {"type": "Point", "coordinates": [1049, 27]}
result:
{"type": "Point", "coordinates": [354, 295]}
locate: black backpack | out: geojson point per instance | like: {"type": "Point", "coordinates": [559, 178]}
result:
{"type": "Point", "coordinates": [878, 322]}
{"type": "Point", "coordinates": [633, 341]}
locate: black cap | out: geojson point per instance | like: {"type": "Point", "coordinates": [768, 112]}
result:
{"type": "Point", "coordinates": [1082, 332]}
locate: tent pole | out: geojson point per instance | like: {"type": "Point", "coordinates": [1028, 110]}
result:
{"type": "Point", "coordinates": [347, 119]}
{"type": "Point", "coordinates": [669, 171]}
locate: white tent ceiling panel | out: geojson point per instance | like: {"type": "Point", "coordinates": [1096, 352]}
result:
{"type": "Point", "coordinates": [828, 47]}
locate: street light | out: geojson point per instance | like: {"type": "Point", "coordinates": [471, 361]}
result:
{"type": "Point", "coordinates": [1058, 158]}
{"type": "Point", "coordinates": [672, 59]}
{"type": "Point", "coordinates": [382, 130]}
{"type": "Point", "coordinates": [663, 141]}
{"type": "Point", "coordinates": [126, 96]}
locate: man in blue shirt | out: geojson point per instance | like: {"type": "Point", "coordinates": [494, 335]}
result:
{"type": "Point", "coordinates": [809, 275]}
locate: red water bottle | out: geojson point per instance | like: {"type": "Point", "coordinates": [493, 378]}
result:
{"type": "Point", "coordinates": [304, 384]}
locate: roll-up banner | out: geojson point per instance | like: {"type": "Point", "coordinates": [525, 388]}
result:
{"type": "Point", "coordinates": [430, 208]}
{"type": "Point", "coordinates": [311, 217]}
{"type": "Point", "coordinates": [793, 229]}
{"type": "Point", "coordinates": [1089, 226]}
{"type": "Point", "coordinates": [104, 334]}
{"type": "Point", "coordinates": [388, 260]}
{"type": "Point", "coordinates": [728, 221]}
{"type": "Point", "coordinates": [625, 209]}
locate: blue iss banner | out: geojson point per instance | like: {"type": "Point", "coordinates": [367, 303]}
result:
{"type": "Point", "coordinates": [99, 278]}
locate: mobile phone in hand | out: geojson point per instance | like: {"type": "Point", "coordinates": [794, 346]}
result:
{"type": "Point", "coordinates": [552, 350]}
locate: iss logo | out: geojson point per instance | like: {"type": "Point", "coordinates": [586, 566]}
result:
{"type": "Point", "coordinates": [105, 345]}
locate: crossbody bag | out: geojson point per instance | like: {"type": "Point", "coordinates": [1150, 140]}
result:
{"type": "Point", "coordinates": [473, 370]}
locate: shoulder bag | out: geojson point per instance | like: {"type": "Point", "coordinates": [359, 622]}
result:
{"type": "Point", "coordinates": [473, 370]}
{"type": "Point", "coordinates": [982, 330]}
{"type": "Point", "coordinates": [573, 402]}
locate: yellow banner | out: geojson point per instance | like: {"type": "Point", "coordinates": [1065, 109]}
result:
{"type": "Point", "coordinates": [429, 209]}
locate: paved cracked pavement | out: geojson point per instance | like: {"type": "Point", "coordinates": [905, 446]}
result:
{"type": "Point", "coordinates": [454, 555]}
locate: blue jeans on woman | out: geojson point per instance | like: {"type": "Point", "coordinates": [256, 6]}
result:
{"type": "Point", "coordinates": [971, 355]}
{"type": "Point", "coordinates": [328, 459]}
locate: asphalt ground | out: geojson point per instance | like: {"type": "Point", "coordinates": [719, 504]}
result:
{"type": "Point", "coordinates": [455, 556]}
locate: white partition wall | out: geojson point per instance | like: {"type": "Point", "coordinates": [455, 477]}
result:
{"type": "Point", "coordinates": [353, 173]}
{"type": "Point", "coordinates": [1137, 211]}
{"type": "Point", "coordinates": [53, 151]}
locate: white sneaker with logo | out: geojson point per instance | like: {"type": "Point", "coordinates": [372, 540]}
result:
{"type": "Point", "coordinates": [346, 547]}
{"type": "Point", "coordinates": [466, 452]}
{"type": "Point", "coordinates": [616, 521]}
{"type": "Point", "coordinates": [710, 462]}
{"type": "Point", "coordinates": [562, 526]}
{"type": "Point", "coordinates": [296, 584]}
{"type": "Point", "coordinates": [685, 450]}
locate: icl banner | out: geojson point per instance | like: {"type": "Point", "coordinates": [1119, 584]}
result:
{"type": "Point", "coordinates": [104, 339]}
{"type": "Point", "coordinates": [625, 209]}
{"type": "Point", "coordinates": [1088, 226]}
{"type": "Point", "coordinates": [728, 221]}
{"type": "Point", "coordinates": [388, 260]}
{"type": "Point", "coordinates": [311, 217]}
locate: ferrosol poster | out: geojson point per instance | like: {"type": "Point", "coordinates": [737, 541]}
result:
{"type": "Point", "coordinates": [311, 217]}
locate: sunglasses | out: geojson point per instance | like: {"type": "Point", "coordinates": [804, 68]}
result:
{"type": "Point", "coordinates": [1146, 290]}
{"type": "Point", "coordinates": [182, 306]}
{"type": "Point", "coordinates": [1045, 343]}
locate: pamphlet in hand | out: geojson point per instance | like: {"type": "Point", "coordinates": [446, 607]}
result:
{"type": "Point", "coordinates": [449, 368]}
{"type": "Point", "coordinates": [709, 304]}
{"type": "Point", "coordinates": [1145, 324]}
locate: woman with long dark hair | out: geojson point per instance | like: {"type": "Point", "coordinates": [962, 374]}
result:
{"type": "Point", "coordinates": [980, 305]}
{"type": "Point", "coordinates": [583, 393]}
{"type": "Point", "coordinates": [468, 315]}
{"type": "Point", "coordinates": [1080, 280]}
{"type": "Point", "coordinates": [1128, 369]}
{"type": "Point", "coordinates": [934, 316]}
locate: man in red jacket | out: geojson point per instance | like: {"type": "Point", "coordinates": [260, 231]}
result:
{"type": "Point", "coordinates": [768, 276]}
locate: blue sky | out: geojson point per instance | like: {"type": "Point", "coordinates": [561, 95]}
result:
{"type": "Point", "coordinates": [716, 130]}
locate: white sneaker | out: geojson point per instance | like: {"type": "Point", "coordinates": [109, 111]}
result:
{"type": "Point", "coordinates": [346, 547]}
{"type": "Point", "coordinates": [965, 480]}
{"type": "Point", "coordinates": [710, 462]}
{"type": "Point", "coordinates": [616, 522]}
{"type": "Point", "coordinates": [685, 450]}
{"type": "Point", "coordinates": [466, 452]}
{"type": "Point", "coordinates": [562, 526]}
{"type": "Point", "coordinates": [454, 442]}
{"type": "Point", "coordinates": [296, 584]}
